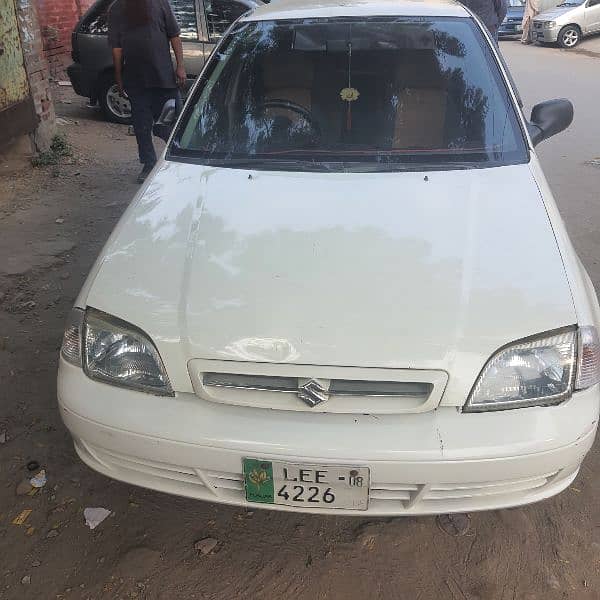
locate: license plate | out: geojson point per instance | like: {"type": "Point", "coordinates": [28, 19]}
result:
{"type": "Point", "coordinates": [306, 486]}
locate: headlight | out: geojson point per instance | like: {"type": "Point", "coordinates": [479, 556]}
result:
{"type": "Point", "coordinates": [550, 24]}
{"type": "Point", "coordinates": [538, 371]}
{"type": "Point", "coordinates": [113, 351]}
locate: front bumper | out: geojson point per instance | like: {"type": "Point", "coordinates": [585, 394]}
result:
{"type": "Point", "coordinates": [436, 462]}
{"type": "Point", "coordinates": [547, 36]}
{"type": "Point", "coordinates": [510, 28]}
{"type": "Point", "coordinates": [84, 81]}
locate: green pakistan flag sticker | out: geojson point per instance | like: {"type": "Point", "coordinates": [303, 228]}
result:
{"type": "Point", "coordinates": [258, 480]}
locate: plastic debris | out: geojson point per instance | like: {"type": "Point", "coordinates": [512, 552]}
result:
{"type": "Point", "coordinates": [95, 516]}
{"type": "Point", "coordinates": [39, 480]}
{"type": "Point", "coordinates": [206, 546]}
{"type": "Point", "coordinates": [22, 517]}
{"type": "Point", "coordinates": [26, 580]}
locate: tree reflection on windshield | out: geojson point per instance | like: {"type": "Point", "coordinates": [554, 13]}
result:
{"type": "Point", "coordinates": [391, 91]}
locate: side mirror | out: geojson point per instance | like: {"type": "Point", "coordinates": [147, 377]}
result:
{"type": "Point", "coordinates": [163, 127]}
{"type": "Point", "coordinates": [549, 118]}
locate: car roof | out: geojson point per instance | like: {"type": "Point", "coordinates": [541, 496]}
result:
{"type": "Point", "coordinates": [305, 9]}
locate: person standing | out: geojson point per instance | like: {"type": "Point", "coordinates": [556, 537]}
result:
{"type": "Point", "coordinates": [140, 33]}
{"type": "Point", "coordinates": [532, 9]}
{"type": "Point", "coordinates": [491, 12]}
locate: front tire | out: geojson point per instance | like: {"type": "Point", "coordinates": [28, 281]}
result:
{"type": "Point", "coordinates": [116, 108]}
{"type": "Point", "coordinates": [569, 36]}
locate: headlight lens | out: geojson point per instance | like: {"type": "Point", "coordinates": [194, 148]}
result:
{"type": "Point", "coordinates": [550, 24]}
{"type": "Point", "coordinates": [588, 358]}
{"type": "Point", "coordinates": [535, 372]}
{"type": "Point", "coordinates": [118, 353]}
{"type": "Point", "coordinates": [71, 344]}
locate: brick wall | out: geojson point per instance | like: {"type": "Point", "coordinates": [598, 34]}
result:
{"type": "Point", "coordinates": [37, 72]}
{"type": "Point", "coordinates": [57, 20]}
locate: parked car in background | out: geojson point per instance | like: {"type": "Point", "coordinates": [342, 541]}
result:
{"type": "Point", "coordinates": [321, 299]}
{"type": "Point", "coordinates": [568, 23]}
{"type": "Point", "coordinates": [513, 22]}
{"type": "Point", "coordinates": [202, 22]}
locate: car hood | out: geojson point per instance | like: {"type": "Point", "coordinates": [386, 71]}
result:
{"type": "Point", "coordinates": [555, 13]}
{"type": "Point", "coordinates": [394, 270]}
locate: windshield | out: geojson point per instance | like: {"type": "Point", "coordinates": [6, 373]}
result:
{"type": "Point", "coordinates": [572, 3]}
{"type": "Point", "coordinates": [344, 94]}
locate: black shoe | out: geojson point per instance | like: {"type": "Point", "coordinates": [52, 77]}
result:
{"type": "Point", "coordinates": [144, 173]}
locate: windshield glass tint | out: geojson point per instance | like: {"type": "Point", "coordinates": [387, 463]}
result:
{"type": "Point", "coordinates": [379, 92]}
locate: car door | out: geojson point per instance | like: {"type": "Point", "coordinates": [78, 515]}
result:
{"type": "Point", "coordinates": [592, 16]}
{"type": "Point", "coordinates": [218, 15]}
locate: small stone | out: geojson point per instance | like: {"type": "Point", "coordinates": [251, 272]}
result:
{"type": "Point", "coordinates": [26, 580]}
{"type": "Point", "coordinates": [52, 534]}
{"type": "Point", "coordinates": [36, 563]}
{"type": "Point", "coordinates": [24, 488]}
{"type": "Point", "coordinates": [455, 524]}
{"type": "Point", "coordinates": [206, 546]}
{"type": "Point", "coordinates": [59, 221]}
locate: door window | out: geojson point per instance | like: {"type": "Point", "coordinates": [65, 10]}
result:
{"type": "Point", "coordinates": [220, 14]}
{"type": "Point", "coordinates": [185, 12]}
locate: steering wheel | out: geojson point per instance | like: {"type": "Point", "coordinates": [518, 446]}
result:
{"type": "Point", "coordinates": [292, 106]}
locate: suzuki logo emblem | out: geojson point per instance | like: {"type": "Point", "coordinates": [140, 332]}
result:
{"type": "Point", "coordinates": [313, 393]}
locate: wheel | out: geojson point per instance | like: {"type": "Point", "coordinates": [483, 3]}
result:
{"type": "Point", "coordinates": [116, 107]}
{"type": "Point", "coordinates": [569, 36]}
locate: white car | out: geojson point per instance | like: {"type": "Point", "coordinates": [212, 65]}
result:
{"type": "Point", "coordinates": [346, 286]}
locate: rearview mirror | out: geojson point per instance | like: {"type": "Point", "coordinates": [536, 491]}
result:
{"type": "Point", "coordinates": [163, 127]}
{"type": "Point", "coordinates": [549, 118]}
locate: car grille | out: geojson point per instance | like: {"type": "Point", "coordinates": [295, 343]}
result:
{"type": "Point", "coordinates": [318, 389]}
{"type": "Point", "coordinates": [537, 25]}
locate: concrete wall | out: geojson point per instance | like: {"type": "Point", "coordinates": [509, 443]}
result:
{"type": "Point", "coordinates": [25, 76]}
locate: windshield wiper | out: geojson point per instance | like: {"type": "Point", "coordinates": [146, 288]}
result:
{"type": "Point", "coordinates": [286, 164]}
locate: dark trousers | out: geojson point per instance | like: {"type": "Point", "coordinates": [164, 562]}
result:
{"type": "Point", "coordinates": [146, 106]}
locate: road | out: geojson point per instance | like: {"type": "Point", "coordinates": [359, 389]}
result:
{"type": "Point", "coordinates": [53, 222]}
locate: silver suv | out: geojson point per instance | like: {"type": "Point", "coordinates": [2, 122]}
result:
{"type": "Point", "coordinates": [568, 23]}
{"type": "Point", "coordinates": [202, 22]}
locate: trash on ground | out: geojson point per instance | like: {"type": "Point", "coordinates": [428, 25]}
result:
{"type": "Point", "coordinates": [36, 563]}
{"type": "Point", "coordinates": [22, 517]}
{"type": "Point", "coordinates": [30, 531]}
{"type": "Point", "coordinates": [64, 83]}
{"type": "Point", "coordinates": [3, 437]}
{"type": "Point", "coordinates": [39, 480]}
{"type": "Point", "coordinates": [24, 488]}
{"type": "Point", "coordinates": [95, 516]}
{"type": "Point", "coordinates": [59, 221]}
{"type": "Point", "coordinates": [206, 546]}
{"type": "Point", "coordinates": [52, 534]}
{"type": "Point", "coordinates": [33, 465]}
{"type": "Point", "coordinates": [26, 580]}
{"type": "Point", "coordinates": [455, 524]}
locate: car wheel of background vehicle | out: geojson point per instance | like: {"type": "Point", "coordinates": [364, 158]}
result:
{"type": "Point", "coordinates": [115, 106]}
{"type": "Point", "coordinates": [569, 36]}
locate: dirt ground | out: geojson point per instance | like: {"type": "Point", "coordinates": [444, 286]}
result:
{"type": "Point", "coordinates": [53, 222]}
